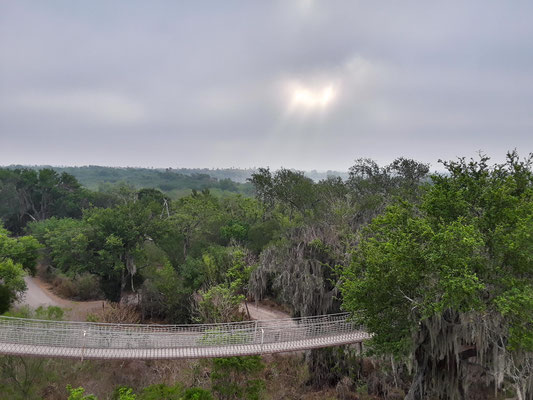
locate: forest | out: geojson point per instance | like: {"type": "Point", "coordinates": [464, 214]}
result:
{"type": "Point", "coordinates": [438, 267]}
{"type": "Point", "coordinates": [174, 182]}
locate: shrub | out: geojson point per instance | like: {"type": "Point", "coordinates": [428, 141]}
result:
{"type": "Point", "coordinates": [82, 287]}
{"type": "Point", "coordinates": [162, 391]}
{"type": "Point", "coordinates": [197, 394]}
{"type": "Point", "coordinates": [218, 304]}
{"type": "Point", "coordinates": [88, 287]}
{"type": "Point", "coordinates": [116, 313]}
{"type": "Point", "coordinates": [123, 393]}
{"type": "Point", "coordinates": [163, 295]}
{"type": "Point", "coordinates": [79, 394]}
{"type": "Point", "coordinates": [237, 378]}
{"type": "Point", "coordinates": [64, 286]}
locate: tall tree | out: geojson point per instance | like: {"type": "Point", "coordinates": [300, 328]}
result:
{"type": "Point", "coordinates": [39, 195]}
{"type": "Point", "coordinates": [194, 216]}
{"type": "Point", "coordinates": [450, 282]}
{"type": "Point", "coordinates": [117, 234]}
{"type": "Point", "coordinates": [17, 256]}
{"type": "Point", "coordinates": [289, 189]}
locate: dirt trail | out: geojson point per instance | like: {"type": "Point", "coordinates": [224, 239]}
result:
{"type": "Point", "coordinates": [35, 296]}
{"type": "Point", "coordinates": [264, 312]}
{"type": "Point", "coordinates": [39, 294]}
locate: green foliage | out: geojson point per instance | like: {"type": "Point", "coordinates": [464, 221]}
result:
{"type": "Point", "coordinates": [464, 255]}
{"type": "Point", "coordinates": [291, 190]}
{"type": "Point", "coordinates": [37, 195]}
{"type": "Point", "coordinates": [52, 313]}
{"type": "Point", "coordinates": [79, 394]}
{"type": "Point", "coordinates": [67, 243]}
{"type": "Point", "coordinates": [23, 250]}
{"type": "Point", "coordinates": [516, 304]}
{"type": "Point", "coordinates": [218, 304]}
{"type": "Point", "coordinates": [12, 277]}
{"type": "Point", "coordinates": [168, 180]}
{"type": "Point", "coordinates": [234, 231]}
{"type": "Point", "coordinates": [217, 261]}
{"type": "Point", "coordinates": [238, 274]}
{"type": "Point", "coordinates": [163, 294]}
{"type": "Point", "coordinates": [162, 392]}
{"type": "Point", "coordinates": [197, 394]}
{"type": "Point", "coordinates": [159, 391]}
{"type": "Point", "coordinates": [237, 378]}
{"type": "Point", "coordinates": [125, 393]}
{"type": "Point", "coordinates": [16, 255]}
{"type": "Point", "coordinates": [196, 217]}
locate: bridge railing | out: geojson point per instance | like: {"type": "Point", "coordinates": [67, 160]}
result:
{"type": "Point", "coordinates": [127, 336]}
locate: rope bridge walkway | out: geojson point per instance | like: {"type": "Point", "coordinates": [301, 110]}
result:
{"type": "Point", "coordinates": [88, 340]}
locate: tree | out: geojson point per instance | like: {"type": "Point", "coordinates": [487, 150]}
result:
{"type": "Point", "coordinates": [449, 282]}
{"type": "Point", "coordinates": [299, 269]}
{"type": "Point", "coordinates": [16, 257]}
{"type": "Point", "coordinates": [23, 250]}
{"type": "Point", "coordinates": [39, 195]}
{"type": "Point", "coordinates": [194, 217]}
{"type": "Point", "coordinates": [289, 189]}
{"type": "Point", "coordinates": [66, 242]}
{"type": "Point", "coordinates": [116, 236]}
{"type": "Point", "coordinates": [372, 187]}
{"type": "Point", "coordinates": [164, 294]}
{"type": "Point", "coordinates": [218, 304]}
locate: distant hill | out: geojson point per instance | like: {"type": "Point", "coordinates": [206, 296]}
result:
{"type": "Point", "coordinates": [91, 176]}
{"type": "Point", "coordinates": [176, 182]}
{"type": "Point", "coordinates": [173, 182]}
{"type": "Point", "coordinates": [241, 175]}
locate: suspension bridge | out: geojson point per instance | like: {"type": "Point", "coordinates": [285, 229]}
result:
{"type": "Point", "coordinates": [86, 340]}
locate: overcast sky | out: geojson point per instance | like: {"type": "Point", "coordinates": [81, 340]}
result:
{"type": "Point", "coordinates": [296, 83]}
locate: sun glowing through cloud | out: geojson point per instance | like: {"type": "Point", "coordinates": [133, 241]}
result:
{"type": "Point", "coordinates": [305, 98]}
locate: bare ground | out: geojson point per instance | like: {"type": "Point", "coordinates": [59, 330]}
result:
{"type": "Point", "coordinates": [264, 311]}
{"type": "Point", "coordinates": [40, 294]}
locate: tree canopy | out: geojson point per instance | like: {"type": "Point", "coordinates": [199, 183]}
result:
{"type": "Point", "coordinates": [451, 278]}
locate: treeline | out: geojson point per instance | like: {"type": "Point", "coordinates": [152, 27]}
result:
{"type": "Point", "coordinates": [438, 267]}
{"type": "Point", "coordinates": [243, 175]}
{"type": "Point", "coordinates": [176, 183]}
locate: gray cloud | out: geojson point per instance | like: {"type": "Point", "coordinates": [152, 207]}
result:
{"type": "Point", "coordinates": [213, 83]}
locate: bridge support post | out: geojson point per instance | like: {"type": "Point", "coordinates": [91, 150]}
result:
{"type": "Point", "coordinates": [262, 339]}
{"type": "Point", "coordinates": [83, 345]}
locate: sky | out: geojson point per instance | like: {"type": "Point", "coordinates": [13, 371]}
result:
{"type": "Point", "coordinates": [303, 84]}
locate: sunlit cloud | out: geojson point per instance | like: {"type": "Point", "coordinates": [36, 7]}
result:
{"type": "Point", "coordinates": [350, 82]}
{"type": "Point", "coordinates": [305, 98]}
{"type": "Point", "coordinates": [308, 98]}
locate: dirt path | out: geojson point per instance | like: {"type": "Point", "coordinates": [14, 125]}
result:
{"type": "Point", "coordinates": [264, 312]}
{"type": "Point", "coordinates": [35, 296]}
{"type": "Point", "coordinates": [39, 294]}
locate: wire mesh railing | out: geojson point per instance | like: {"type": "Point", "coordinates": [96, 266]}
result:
{"type": "Point", "coordinates": [102, 340]}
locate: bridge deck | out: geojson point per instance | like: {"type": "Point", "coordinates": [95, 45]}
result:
{"type": "Point", "coordinates": [114, 341]}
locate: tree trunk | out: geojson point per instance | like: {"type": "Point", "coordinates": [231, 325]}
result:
{"type": "Point", "coordinates": [132, 269]}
